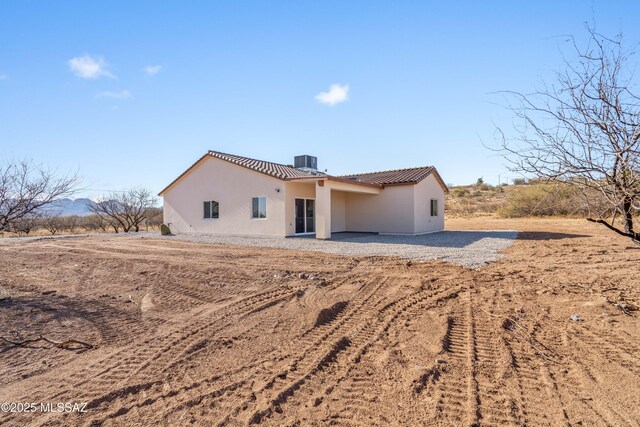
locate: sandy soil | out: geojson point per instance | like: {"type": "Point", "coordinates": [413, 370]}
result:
{"type": "Point", "coordinates": [198, 334]}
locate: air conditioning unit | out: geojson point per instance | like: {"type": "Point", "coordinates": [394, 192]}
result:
{"type": "Point", "coordinates": [306, 163]}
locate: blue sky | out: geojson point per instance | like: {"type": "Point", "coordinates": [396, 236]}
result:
{"type": "Point", "coordinates": [77, 93]}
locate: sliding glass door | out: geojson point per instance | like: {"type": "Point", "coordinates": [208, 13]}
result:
{"type": "Point", "coordinates": [305, 216]}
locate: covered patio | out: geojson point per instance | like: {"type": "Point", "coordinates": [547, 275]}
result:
{"type": "Point", "coordinates": [331, 200]}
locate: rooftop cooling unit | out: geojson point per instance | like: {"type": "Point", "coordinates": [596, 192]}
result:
{"type": "Point", "coordinates": [306, 163]}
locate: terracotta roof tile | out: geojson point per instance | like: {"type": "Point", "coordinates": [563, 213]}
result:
{"type": "Point", "coordinates": [390, 177]}
{"type": "Point", "coordinates": [269, 168]}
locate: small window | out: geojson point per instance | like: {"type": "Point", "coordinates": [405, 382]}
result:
{"type": "Point", "coordinates": [211, 209]}
{"type": "Point", "coordinates": [434, 207]}
{"type": "Point", "coordinates": [259, 207]}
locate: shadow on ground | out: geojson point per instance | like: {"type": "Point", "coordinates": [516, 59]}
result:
{"type": "Point", "coordinates": [543, 235]}
{"type": "Point", "coordinates": [445, 239]}
{"type": "Point", "coordinates": [441, 239]}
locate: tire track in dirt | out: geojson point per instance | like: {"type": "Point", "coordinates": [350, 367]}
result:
{"type": "Point", "coordinates": [241, 309]}
{"type": "Point", "coordinates": [574, 378]}
{"type": "Point", "coordinates": [119, 367]}
{"type": "Point", "coordinates": [300, 354]}
{"type": "Point", "coordinates": [496, 408]}
{"type": "Point", "coordinates": [343, 353]}
{"type": "Point", "coordinates": [186, 397]}
{"type": "Point", "coordinates": [161, 352]}
{"type": "Point", "coordinates": [575, 382]}
{"type": "Point", "coordinates": [614, 347]}
{"type": "Point", "coordinates": [470, 386]}
{"type": "Point", "coordinates": [352, 394]}
{"type": "Point", "coordinates": [538, 399]}
{"type": "Point", "coordinates": [355, 395]}
{"type": "Point", "coordinates": [456, 392]}
{"type": "Point", "coordinates": [584, 380]}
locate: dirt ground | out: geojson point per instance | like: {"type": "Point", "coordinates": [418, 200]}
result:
{"type": "Point", "coordinates": [188, 333]}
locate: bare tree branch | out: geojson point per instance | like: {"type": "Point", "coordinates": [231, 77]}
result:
{"type": "Point", "coordinates": [25, 188]}
{"type": "Point", "coordinates": [584, 130]}
{"type": "Point", "coordinates": [126, 210]}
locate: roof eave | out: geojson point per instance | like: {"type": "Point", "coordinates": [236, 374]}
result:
{"type": "Point", "coordinates": [440, 180]}
{"type": "Point", "coordinates": [334, 178]}
{"type": "Point", "coordinates": [183, 174]}
{"type": "Point", "coordinates": [350, 181]}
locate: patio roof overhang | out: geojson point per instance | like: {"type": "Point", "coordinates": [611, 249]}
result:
{"type": "Point", "coordinates": [340, 184]}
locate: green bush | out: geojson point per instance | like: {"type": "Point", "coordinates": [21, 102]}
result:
{"type": "Point", "coordinates": [165, 230]}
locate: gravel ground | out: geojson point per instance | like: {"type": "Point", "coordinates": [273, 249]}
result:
{"type": "Point", "coordinates": [468, 248]}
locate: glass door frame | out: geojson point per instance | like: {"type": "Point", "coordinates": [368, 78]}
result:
{"type": "Point", "coordinates": [305, 217]}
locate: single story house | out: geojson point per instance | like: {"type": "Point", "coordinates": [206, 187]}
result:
{"type": "Point", "coordinates": [228, 194]}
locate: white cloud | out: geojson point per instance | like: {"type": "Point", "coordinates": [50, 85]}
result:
{"type": "Point", "coordinates": [152, 70]}
{"type": "Point", "coordinates": [336, 94]}
{"type": "Point", "coordinates": [90, 67]}
{"type": "Point", "coordinates": [121, 94]}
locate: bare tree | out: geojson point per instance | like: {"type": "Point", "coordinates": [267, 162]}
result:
{"type": "Point", "coordinates": [25, 188]}
{"type": "Point", "coordinates": [94, 223]}
{"type": "Point", "coordinates": [584, 130]}
{"type": "Point", "coordinates": [126, 210]}
{"type": "Point", "coordinates": [111, 212]}
{"type": "Point", "coordinates": [155, 218]}
{"type": "Point", "coordinates": [26, 224]}
{"type": "Point", "coordinates": [52, 223]}
{"type": "Point", "coordinates": [70, 223]}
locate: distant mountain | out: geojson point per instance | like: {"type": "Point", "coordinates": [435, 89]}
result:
{"type": "Point", "coordinates": [68, 207]}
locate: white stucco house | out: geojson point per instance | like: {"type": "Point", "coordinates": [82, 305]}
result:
{"type": "Point", "coordinates": [228, 194]}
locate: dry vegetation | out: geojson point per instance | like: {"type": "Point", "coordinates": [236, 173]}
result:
{"type": "Point", "coordinates": [534, 199]}
{"type": "Point", "coordinates": [43, 225]}
{"type": "Point", "coordinates": [188, 333]}
{"type": "Point", "coordinates": [473, 200]}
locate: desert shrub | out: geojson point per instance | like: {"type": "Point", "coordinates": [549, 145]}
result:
{"type": "Point", "coordinates": [548, 200]}
{"type": "Point", "coordinates": [469, 207]}
{"type": "Point", "coordinates": [460, 192]}
{"type": "Point", "coordinates": [165, 230]}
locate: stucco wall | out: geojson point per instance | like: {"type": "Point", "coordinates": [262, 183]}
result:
{"type": "Point", "coordinates": [296, 190]}
{"type": "Point", "coordinates": [338, 211]}
{"type": "Point", "coordinates": [391, 211]}
{"type": "Point", "coordinates": [233, 187]}
{"type": "Point", "coordinates": [425, 190]}
{"type": "Point", "coordinates": [403, 209]}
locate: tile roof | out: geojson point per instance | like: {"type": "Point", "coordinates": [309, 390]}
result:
{"type": "Point", "coordinates": [287, 172]}
{"type": "Point", "coordinates": [391, 177]}
{"type": "Point", "coordinates": [269, 168]}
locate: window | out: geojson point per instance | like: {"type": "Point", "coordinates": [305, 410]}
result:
{"type": "Point", "coordinates": [211, 209]}
{"type": "Point", "coordinates": [434, 207]}
{"type": "Point", "coordinates": [259, 207]}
